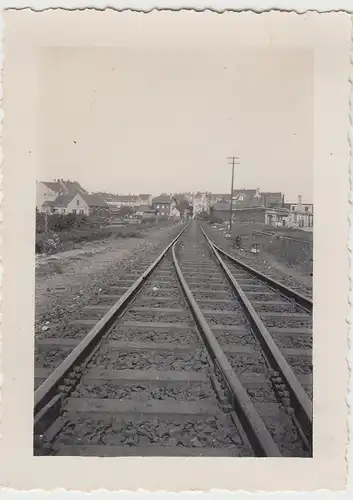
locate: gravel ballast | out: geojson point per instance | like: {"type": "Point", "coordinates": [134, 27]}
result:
{"type": "Point", "coordinates": [110, 358]}
{"type": "Point", "coordinates": [212, 432]}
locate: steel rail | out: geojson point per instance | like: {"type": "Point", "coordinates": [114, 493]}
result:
{"type": "Point", "coordinates": [303, 406]}
{"type": "Point", "coordinates": [302, 300]}
{"type": "Point", "coordinates": [257, 433]}
{"type": "Point", "coordinates": [47, 390]}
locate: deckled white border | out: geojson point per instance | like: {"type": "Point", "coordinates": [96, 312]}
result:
{"type": "Point", "coordinates": [299, 6]}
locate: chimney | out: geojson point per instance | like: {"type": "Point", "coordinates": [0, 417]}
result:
{"type": "Point", "coordinates": [299, 199]}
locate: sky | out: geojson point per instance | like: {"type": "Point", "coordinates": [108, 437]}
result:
{"type": "Point", "coordinates": [135, 120]}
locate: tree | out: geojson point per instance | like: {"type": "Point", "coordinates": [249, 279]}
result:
{"type": "Point", "coordinates": [125, 211]}
{"type": "Point", "coordinates": [182, 205]}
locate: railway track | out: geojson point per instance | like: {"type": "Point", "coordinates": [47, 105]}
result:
{"type": "Point", "coordinates": [176, 367]}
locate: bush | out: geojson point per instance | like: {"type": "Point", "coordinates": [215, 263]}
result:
{"type": "Point", "coordinates": [61, 222]}
{"type": "Point", "coordinates": [47, 243]}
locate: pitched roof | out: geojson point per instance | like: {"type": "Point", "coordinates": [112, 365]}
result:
{"type": "Point", "coordinates": [162, 199]}
{"type": "Point", "coordinates": [223, 200]}
{"type": "Point", "coordinates": [54, 186]}
{"type": "Point", "coordinates": [74, 187]}
{"type": "Point", "coordinates": [221, 197]}
{"type": "Point", "coordinates": [93, 200]}
{"type": "Point", "coordinates": [60, 186]}
{"type": "Point", "coordinates": [126, 197]}
{"type": "Point", "coordinates": [144, 196]}
{"type": "Point", "coordinates": [63, 200]}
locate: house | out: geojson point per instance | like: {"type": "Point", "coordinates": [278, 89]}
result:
{"type": "Point", "coordinates": [46, 192]}
{"type": "Point", "coordinates": [49, 191]}
{"type": "Point", "coordinates": [221, 212]}
{"type": "Point", "coordinates": [272, 199]}
{"type": "Point", "coordinates": [243, 194]}
{"type": "Point", "coordinates": [145, 199]}
{"type": "Point", "coordinates": [277, 217]}
{"type": "Point", "coordinates": [174, 212]}
{"type": "Point", "coordinates": [246, 198]}
{"type": "Point", "coordinates": [96, 204]}
{"type": "Point", "coordinates": [126, 200]}
{"type": "Point", "coordinates": [220, 198]}
{"type": "Point", "coordinates": [299, 206]}
{"type": "Point", "coordinates": [164, 205]}
{"type": "Point", "coordinates": [201, 203]}
{"type": "Point", "coordinates": [142, 209]}
{"type": "Point", "coordinates": [76, 203]}
{"type": "Point", "coordinates": [289, 218]}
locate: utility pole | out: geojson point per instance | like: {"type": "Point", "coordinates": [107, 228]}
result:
{"type": "Point", "coordinates": [234, 160]}
{"type": "Point", "coordinates": [46, 222]}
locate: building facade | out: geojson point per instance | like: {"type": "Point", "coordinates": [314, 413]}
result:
{"type": "Point", "coordinates": [125, 201]}
{"type": "Point", "coordinates": [221, 212]}
{"type": "Point", "coordinates": [272, 200]}
{"type": "Point", "coordinates": [289, 218]}
{"type": "Point", "coordinates": [201, 203]}
{"type": "Point", "coordinates": [145, 199]}
{"type": "Point", "coordinates": [299, 206]}
{"type": "Point", "coordinates": [163, 205]}
{"type": "Point", "coordinates": [49, 191]}
{"type": "Point", "coordinates": [220, 198]}
{"type": "Point", "coordinates": [80, 204]}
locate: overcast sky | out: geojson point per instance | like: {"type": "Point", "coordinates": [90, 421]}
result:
{"type": "Point", "coordinates": [150, 120]}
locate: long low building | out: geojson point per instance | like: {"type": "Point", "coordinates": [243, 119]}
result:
{"type": "Point", "coordinates": [256, 215]}
{"type": "Point", "coordinates": [289, 218]}
{"type": "Point", "coordinates": [261, 215]}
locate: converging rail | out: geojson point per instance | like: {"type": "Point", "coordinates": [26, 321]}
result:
{"type": "Point", "coordinates": [46, 392]}
{"type": "Point", "coordinates": [296, 397]}
{"type": "Point", "coordinates": [180, 365]}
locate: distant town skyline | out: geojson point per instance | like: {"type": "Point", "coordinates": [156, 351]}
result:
{"type": "Point", "coordinates": [133, 120]}
{"type": "Point", "coordinates": [155, 194]}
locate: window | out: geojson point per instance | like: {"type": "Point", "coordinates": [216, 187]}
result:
{"type": "Point", "coordinates": [306, 209]}
{"type": "Point", "coordinates": [162, 206]}
{"type": "Point", "coordinates": [162, 213]}
{"type": "Point", "coordinates": [157, 206]}
{"type": "Point", "coordinates": [81, 211]}
{"type": "Point", "coordinates": [77, 202]}
{"type": "Point", "coordinates": [74, 211]}
{"type": "Point", "coordinates": [292, 207]}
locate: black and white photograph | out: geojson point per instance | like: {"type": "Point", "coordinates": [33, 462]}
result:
{"type": "Point", "coordinates": [174, 280]}
{"type": "Point", "coordinates": [177, 229]}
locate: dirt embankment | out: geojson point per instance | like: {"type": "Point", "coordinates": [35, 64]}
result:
{"type": "Point", "coordinates": [65, 238]}
{"type": "Point", "coordinates": [67, 281]}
